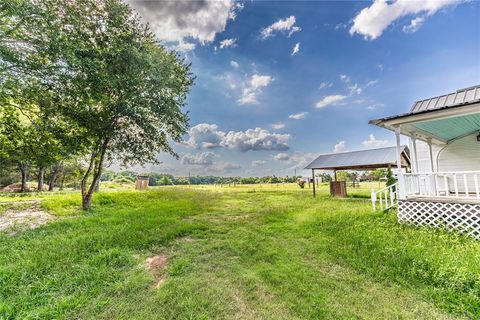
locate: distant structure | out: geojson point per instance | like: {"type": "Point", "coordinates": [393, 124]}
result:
{"type": "Point", "coordinates": [362, 160]}
{"type": "Point", "coordinates": [142, 182]}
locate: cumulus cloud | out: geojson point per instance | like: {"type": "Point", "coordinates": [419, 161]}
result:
{"type": "Point", "coordinates": [253, 88]}
{"type": "Point", "coordinates": [330, 100]}
{"type": "Point", "coordinates": [207, 136]}
{"type": "Point", "coordinates": [228, 43]}
{"type": "Point", "coordinates": [296, 49]}
{"type": "Point", "coordinates": [286, 26]}
{"type": "Point", "coordinates": [258, 163]}
{"type": "Point", "coordinates": [372, 142]}
{"type": "Point", "coordinates": [341, 146]}
{"type": "Point", "coordinates": [278, 126]}
{"type": "Point", "coordinates": [234, 64]}
{"type": "Point", "coordinates": [373, 20]}
{"type": "Point", "coordinates": [176, 21]}
{"type": "Point", "coordinates": [256, 139]}
{"type": "Point", "coordinates": [295, 160]}
{"type": "Point", "coordinates": [198, 159]}
{"type": "Point", "coordinates": [326, 85]}
{"type": "Point", "coordinates": [298, 116]}
{"type": "Point", "coordinates": [283, 156]}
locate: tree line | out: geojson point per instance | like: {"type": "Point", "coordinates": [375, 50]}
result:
{"type": "Point", "coordinates": [84, 83]}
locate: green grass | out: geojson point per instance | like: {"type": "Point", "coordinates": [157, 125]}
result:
{"type": "Point", "coordinates": [245, 252]}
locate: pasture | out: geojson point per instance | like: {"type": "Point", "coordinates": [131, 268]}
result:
{"type": "Point", "coordinates": [243, 252]}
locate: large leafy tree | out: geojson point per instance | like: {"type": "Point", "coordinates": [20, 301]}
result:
{"type": "Point", "coordinates": [120, 92]}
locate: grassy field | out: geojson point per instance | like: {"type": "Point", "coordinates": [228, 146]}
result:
{"type": "Point", "coordinates": [244, 252]}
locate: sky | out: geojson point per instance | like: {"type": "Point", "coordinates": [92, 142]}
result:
{"type": "Point", "coordinates": [278, 83]}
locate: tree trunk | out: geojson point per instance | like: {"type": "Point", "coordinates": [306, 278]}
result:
{"type": "Point", "coordinates": [96, 165]}
{"type": "Point", "coordinates": [54, 175]}
{"type": "Point", "coordinates": [41, 177]}
{"type": "Point", "coordinates": [24, 172]}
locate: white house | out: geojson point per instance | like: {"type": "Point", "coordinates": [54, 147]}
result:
{"type": "Point", "coordinates": [443, 188]}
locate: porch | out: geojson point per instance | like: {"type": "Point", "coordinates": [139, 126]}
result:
{"type": "Point", "coordinates": [443, 187]}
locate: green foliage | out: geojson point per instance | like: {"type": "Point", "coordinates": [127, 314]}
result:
{"type": "Point", "coordinates": [281, 253]}
{"type": "Point", "coordinates": [94, 68]}
{"type": "Point", "coordinates": [390, 178]}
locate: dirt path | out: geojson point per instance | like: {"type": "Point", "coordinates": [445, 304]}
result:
{"type": "Point", "coordinates": [22, 215]}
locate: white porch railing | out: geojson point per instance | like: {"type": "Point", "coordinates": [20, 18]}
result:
{"type": "Point", "coordinates": [387, 197]}
{"type": "Point", "coordinates": [455, 184]}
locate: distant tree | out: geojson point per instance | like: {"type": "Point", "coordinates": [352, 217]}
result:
{"type": "Point", "coordinates": [165, 181]}
{"type": "Point", "coordinates": [120, 91]}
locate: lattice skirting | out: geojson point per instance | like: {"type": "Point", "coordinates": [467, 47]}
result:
{"type": "Point", "coordinates": [460, 217]}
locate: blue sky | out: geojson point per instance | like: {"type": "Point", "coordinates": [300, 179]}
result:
{"type": "Point", "coordinates": [281, 82]}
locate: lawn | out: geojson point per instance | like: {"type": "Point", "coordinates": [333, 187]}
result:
{"type": "Point", "coordinates": [244, 252]}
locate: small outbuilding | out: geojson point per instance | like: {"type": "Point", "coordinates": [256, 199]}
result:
{"type": "Point", "coordinates": [361, 160]}
{"type": "Point", "coordinates": [142, 182]}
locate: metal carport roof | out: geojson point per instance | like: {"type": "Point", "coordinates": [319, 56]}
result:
{"type": "Point", "coordinates": [361, 160]}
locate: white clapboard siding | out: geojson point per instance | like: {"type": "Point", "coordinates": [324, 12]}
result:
{"type": "Point", "coordinates": [459, 155]}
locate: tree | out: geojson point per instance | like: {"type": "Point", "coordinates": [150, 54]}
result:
{"type": "Point", "coordinates": [120, 92]}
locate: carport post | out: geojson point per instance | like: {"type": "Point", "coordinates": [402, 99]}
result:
{"type": "Point", "coordinates": [313, 176]}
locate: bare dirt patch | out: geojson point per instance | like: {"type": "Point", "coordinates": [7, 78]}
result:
{"type": "Point", "coordinates": [19, 217]}
{"type": "Point", "coordinates": [157, 265]}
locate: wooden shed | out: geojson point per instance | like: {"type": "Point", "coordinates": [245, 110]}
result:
{"type": "Point", "coordinates": [142, 182]}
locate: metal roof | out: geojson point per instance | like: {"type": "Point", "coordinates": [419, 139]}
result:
{"type": "Point", "coordinates": [363, 159]}
{"type": "Point", "coordinates": [460, 97]}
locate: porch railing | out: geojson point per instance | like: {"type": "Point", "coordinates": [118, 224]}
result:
{"type": "Point", "coordinates": [454, 184]}
{"type": "Point", "coordinates": [386, 197]}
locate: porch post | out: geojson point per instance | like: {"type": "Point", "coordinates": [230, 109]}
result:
{"type": "Point", "coordinates": [313, 176]}
{"type": "Point", "coordinates": [413, 139]}
{"type": "Point", "coordinates": [401, 181]}
{"type": "Point", "coordinates": [430, 152]}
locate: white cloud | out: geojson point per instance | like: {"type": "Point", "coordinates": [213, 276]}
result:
{"type": "Point", "coordinates": [330, 100]}
{"type": "Point", "coordinates": [184, 46]}
{"type": "Point", "coordinates": [345, 78]}
{"type": "Point", "coordinates": [282, 156]}
{"type": "Point", "coordinates": [286, 25]}
{"type": "Point", "coordinates": [372, 142]}
{"type": "Point", "coordinates": [234, 64]}
{"type": "Point", "coordinates": [326, 85]}
{"type": "Point", "coordinates": [341, 146]}
{"type": "Point", "coordinates": [207, 136]}
{"type": "Point", "coordinates": [278, 126]}
{"type": "Point", "coordinates": [258, 163]}
{"type": "Point", "coordinates": [296, 49]}
{"type": "Point", "coordinates": [374, 106]}
{"type": "Point", "coordinates": [355, 89]}
{"type": "Point", "coordinates": [204, 135]}
{"type": "Point", "coordinates": [254, 87]}
{"type": "Point", "coordinates": [256, 139]}
{"type": "Point", "coordinates": [227, 43]}
{"type": "Point", "coordinates": [298, 116]}
{"type": "Point", "coordinates": [414, 25]}
{"type": "Point", "coordinates": [373, 20]}
{"type": "Point", "coordinates": [175, 21]}
{"type": "Point", "coordinates": [198, 159]}
{"type": "Point", "coordinates": [295, 160]}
